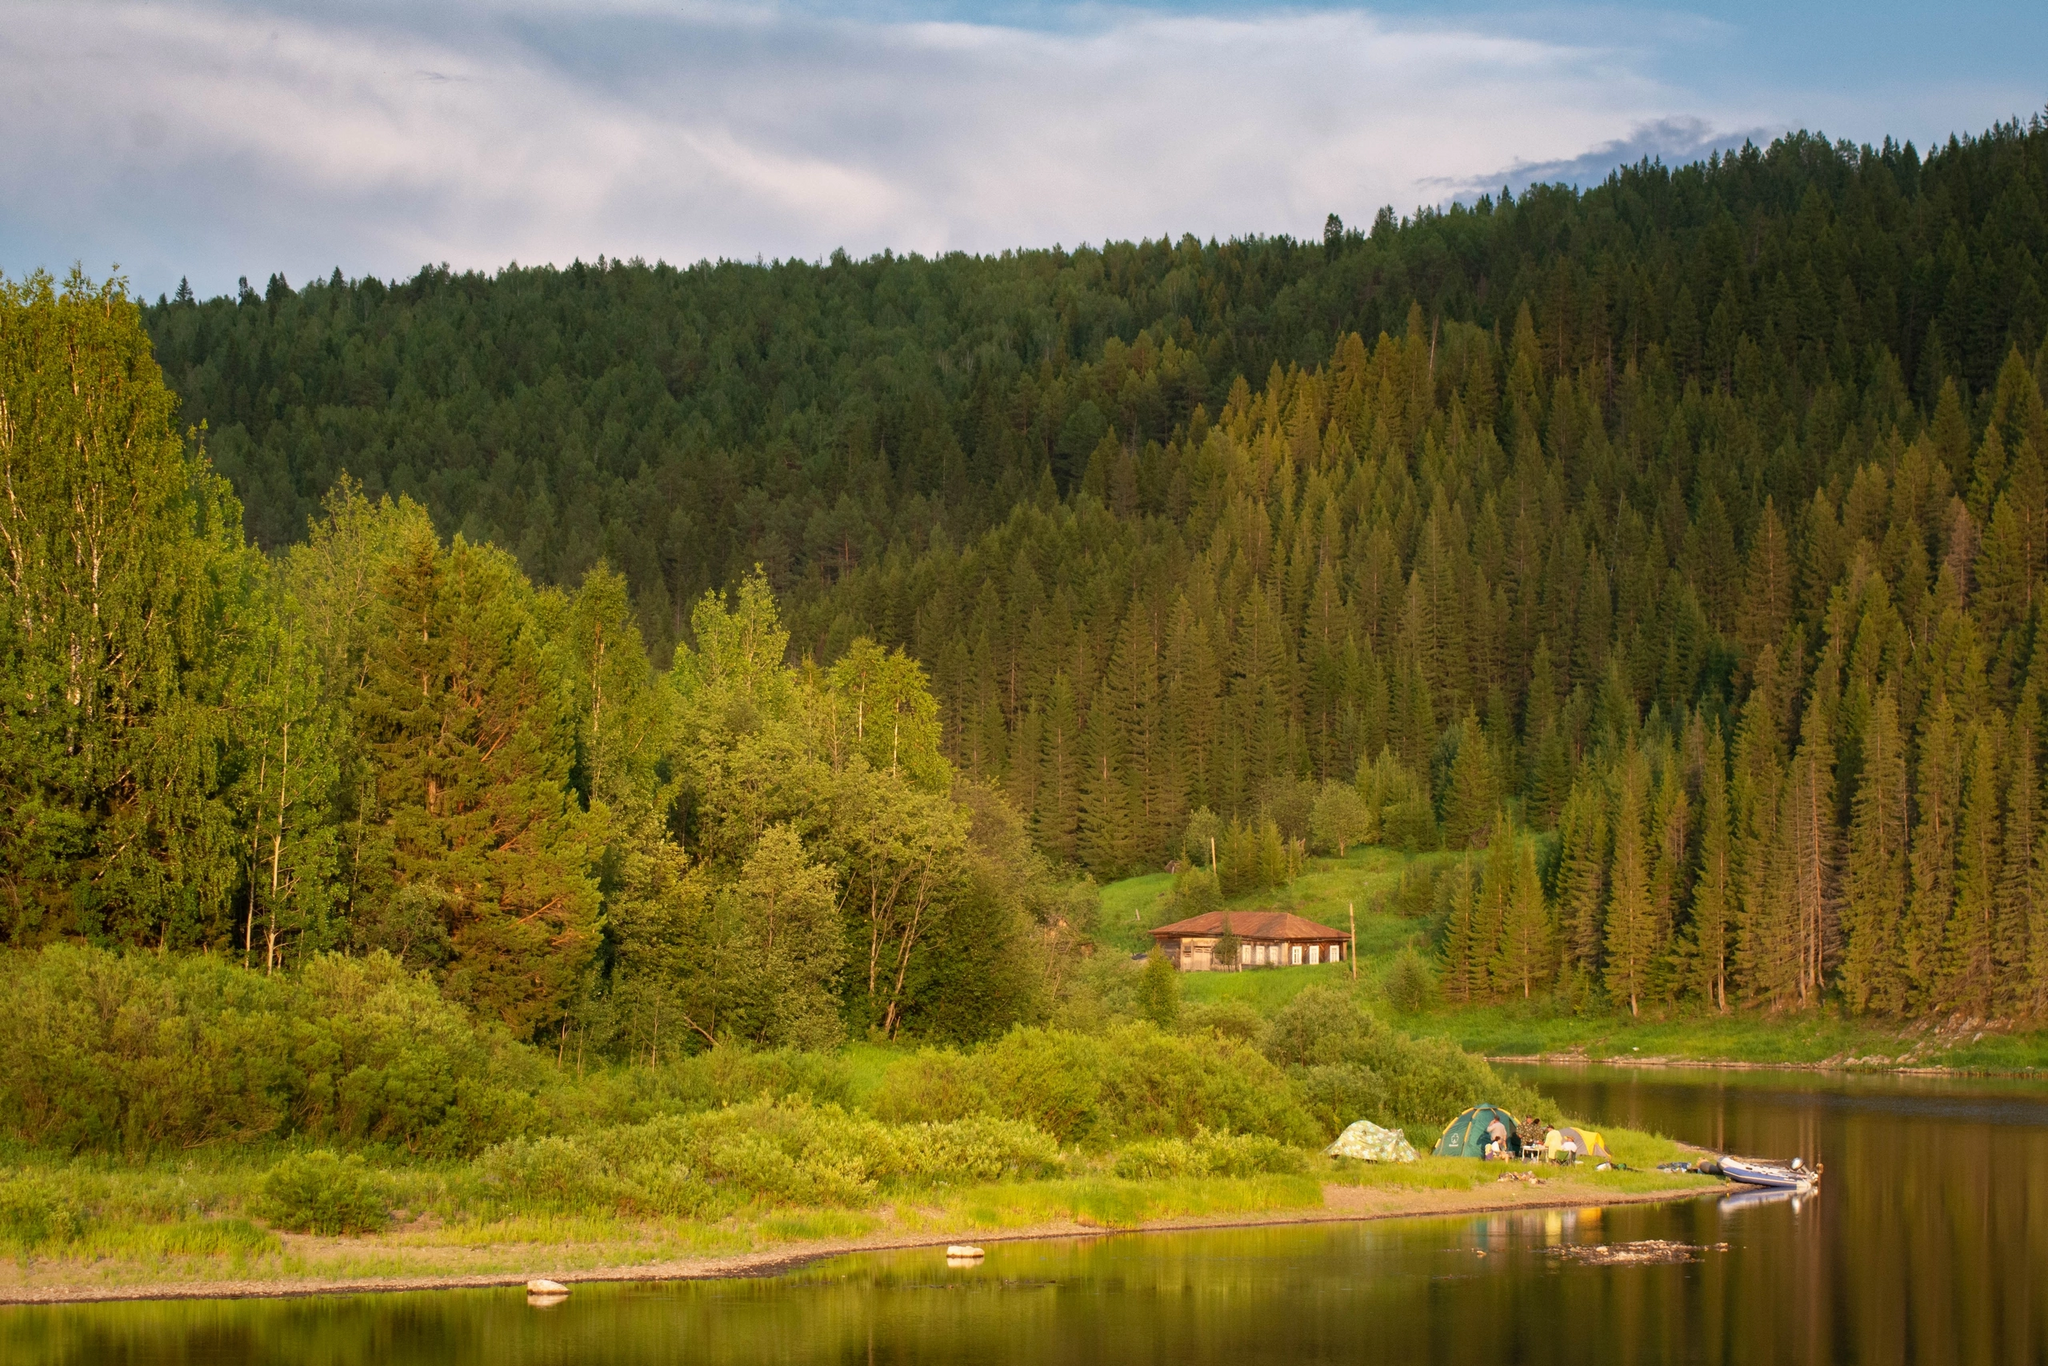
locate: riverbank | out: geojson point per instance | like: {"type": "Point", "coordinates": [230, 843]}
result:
{"type": "Point", "coordinates": [412, 1260]}
{"type": "Point", "coordinates": [1577, 1059]}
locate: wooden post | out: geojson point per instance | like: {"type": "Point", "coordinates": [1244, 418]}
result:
{"type": "Point", "coordinates": [1351, 909]}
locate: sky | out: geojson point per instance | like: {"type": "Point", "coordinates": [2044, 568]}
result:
{"type": "Point", "coordinates": [220, 139]}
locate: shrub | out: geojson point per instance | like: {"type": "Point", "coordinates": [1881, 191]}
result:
{"type": "Point", "coordinates": [1339, 1093]}
{"type": "Point", "coordinates": [780, 1152]}
{"type": "Point", "coordinates": [1159, 990]}
{"type": "Point", "coordinates": [140, 1052]}
{"type": "Point", "coordinates": [1227, 1020]}
{"type": "Point", "coordinates": [1131, 1081]}
{"type": "Point", "coordinates": [1341, 1057]}
{"type": "Point", "coordinates": [318, 1192]}
{"type": "Point", "coordinates": [1408, 983]}
{"type": "Point", "coordinates": [1208, 1154]}
{"type": "Point", "coordinates": [35, 1212]}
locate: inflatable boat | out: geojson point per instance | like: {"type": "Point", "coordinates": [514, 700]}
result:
{"type": "Point", "coordinates": [1760, 1171]}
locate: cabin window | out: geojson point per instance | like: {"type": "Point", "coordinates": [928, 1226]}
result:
{"type": "Point", "coordinates": [1336, 953]}
{"type": "Point", "coordinates": [1297, 955]}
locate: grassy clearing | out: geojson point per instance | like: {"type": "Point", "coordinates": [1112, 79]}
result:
{"type": "Point", "coordinates": [1370, 879]}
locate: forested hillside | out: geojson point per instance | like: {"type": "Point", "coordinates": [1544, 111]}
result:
{"type": "Point", "coordinates": [1696, 521]}
{"type": "Point", "coordinates": [1720, 555]}
{"type": "Point", "coordinates": [687, 424]}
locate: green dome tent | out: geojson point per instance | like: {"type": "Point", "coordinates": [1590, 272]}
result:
{"type": "Point", "coordinates": [1466, 1136]}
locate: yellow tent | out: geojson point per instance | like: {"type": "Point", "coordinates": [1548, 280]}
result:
{"type": "Point", "coordinates": [1585, 1143]}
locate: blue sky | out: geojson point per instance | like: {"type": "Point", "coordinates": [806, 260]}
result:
{"type": "Point", "coordinates": [220, 138]}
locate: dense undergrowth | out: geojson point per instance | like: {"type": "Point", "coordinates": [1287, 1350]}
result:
{"type": "Point", "coordinates": [167, 1106]}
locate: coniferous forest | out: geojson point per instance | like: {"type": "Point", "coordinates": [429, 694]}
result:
{"type": "Point", "coordinates": [773, 651]}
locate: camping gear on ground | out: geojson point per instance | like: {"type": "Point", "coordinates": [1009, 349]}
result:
{"type": "Point", "coordinates": [1570, 1144]}
{"type": "Point", "coordinates": [1765, 1171]}
{"type": "Point", "coordinates": [1469, 1134]}
{"type": "Point", "coordinates": [1368, 1142]}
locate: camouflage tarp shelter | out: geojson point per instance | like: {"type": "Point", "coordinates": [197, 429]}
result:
{"type": "Point", "coordinates": [1368, 1142]}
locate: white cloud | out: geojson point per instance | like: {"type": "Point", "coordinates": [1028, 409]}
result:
{"type": "Point", "coordinates": [216, 139]}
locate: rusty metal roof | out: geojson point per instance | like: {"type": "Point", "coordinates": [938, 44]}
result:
{"type": "Point", "coordinates": [1280, 925]}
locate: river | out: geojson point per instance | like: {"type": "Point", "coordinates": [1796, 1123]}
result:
{"type": "Point", "coordinates": [1928, 1243]}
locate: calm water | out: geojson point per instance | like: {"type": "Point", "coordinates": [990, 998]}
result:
{"type": "Point", "coordinates": [1929, 1243]}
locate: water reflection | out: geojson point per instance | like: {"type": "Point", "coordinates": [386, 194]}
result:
{"type": "Point", "coordinates": [1928, 1243]}
{"type": "Point", "coordinates": [1929, 1238]}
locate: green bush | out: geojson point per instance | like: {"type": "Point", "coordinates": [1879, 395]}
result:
{"type": "Point", "coordinates": [778, 1152]}
{"type": "Point", "coordinates": [1237, 1020]}
{"type": "Point", "coordinates": [319, 1192]}
{"type": "Point", "coordinates": [1130, 1081]}
{"type": "Point", "coordinates": [1408, 982]}
{"type": "Point", "coordinates": [1350, 1066]}
{"type": "Point", "coordinates": [140, 1052]}
{"type": "Point", "coordinates": [1338, 1093]}
{"type": "Point", "coordinates": [35, 1213]}
{"type": "Point", "coordinates": [1208, 1154]}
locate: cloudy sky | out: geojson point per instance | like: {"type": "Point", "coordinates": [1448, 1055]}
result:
{"type": "Point", "coordinates": [221, 138]}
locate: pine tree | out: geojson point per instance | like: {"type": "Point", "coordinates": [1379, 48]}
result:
{"type": "Point", "coordinates": [1713, 890]}
{"type": "Point", "coordinates": [1812, 843]}
{"type": "Point", "coordinates": [1059, 772]}
{"type": "Point", "coordinates": [1969, 970]}
{"type": "Point", "coordinates": [2012, 946]}
{"type": "Point", "coordinates": [2036, 982]}
{"type": "Point", "coordinates": [1107, 841]}
{"type": "Point", "coordinates": [1671, 840]}
{"type": "Point", "coordinates": [1762, 945]}
{"type": "Point", "coordinates": [1582, 879]}
{"type": "Point", "coordinates": [1874, 908]}
{"type": "Point", "coordinates": [1937, 795]}
{"type": "Point", "coordinates": [1473, 794]}
{"type": "Point", "coordinates": [471, 754]}
{"type": "Point", "coordinates": [1523, 960]}
{"type": "Point", "coordinates": [1630, 943]}
{"type": "Point", "coordinates": [1464, 965]}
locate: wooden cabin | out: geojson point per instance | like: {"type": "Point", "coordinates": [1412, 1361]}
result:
{"type": "Point", "coordinates": [1266, 939]}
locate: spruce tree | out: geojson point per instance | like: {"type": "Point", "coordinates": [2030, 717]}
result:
{"type": "Point", "coordinates": [1630, 944]}
{"type": "Point", "coordinates": [2012, 946]}
{"type": "Point", "coordinates": [1969, 970]}
{"type": "Point", "coordinates": [1812, 843]}
{"type": "Point", "coordinates": [1874, 906]}
{"type": "Point", "coordinates": [1522, 962]}
{"type": "Point", "coordinates": [1582, 879]}
{"type": "Point", "coordinates": [1937, 795]}
{"type": "Point", "coordinates": [1059, 772]}
{"type": "Point", "coordinates": [1472, 794]}
{"type": "Point", "coordinates": [1711, 930]}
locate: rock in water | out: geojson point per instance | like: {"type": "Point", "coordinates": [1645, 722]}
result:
{"type": "Point", "coordinates": [966, 1252]}
{"type": "Point", "coordinates": [543, 1286]}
